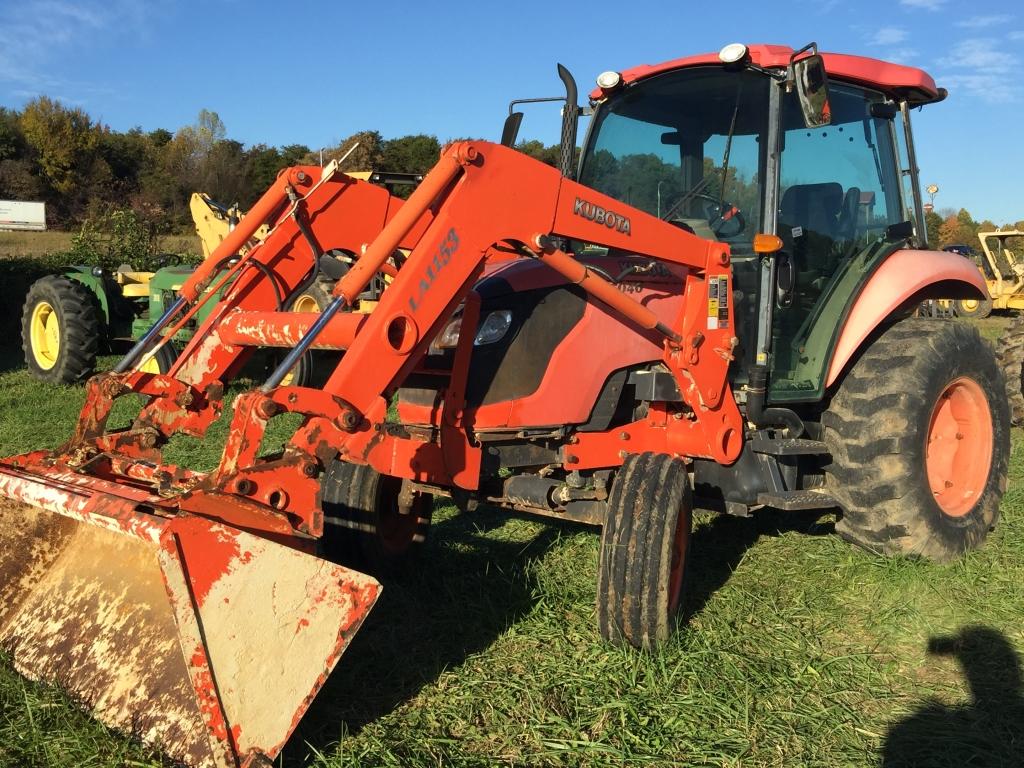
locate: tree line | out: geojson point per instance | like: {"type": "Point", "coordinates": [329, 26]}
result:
{"type": "Point", "coordinates": [83, 169]}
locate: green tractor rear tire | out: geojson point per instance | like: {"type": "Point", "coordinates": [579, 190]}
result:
{"type": "Point", "coordinates": [60, 330]}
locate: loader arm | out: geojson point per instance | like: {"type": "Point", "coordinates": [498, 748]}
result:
{"type": "Point", "coordinates": [481, 203]}
{"type": "Point", "coordinates": [489, 202]}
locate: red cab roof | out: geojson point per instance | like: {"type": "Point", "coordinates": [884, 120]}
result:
{"type": "Point", "coordinates": [916, 85]}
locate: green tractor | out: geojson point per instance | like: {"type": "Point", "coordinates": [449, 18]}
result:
{"type": "Point", "coordinates": [70, 318]}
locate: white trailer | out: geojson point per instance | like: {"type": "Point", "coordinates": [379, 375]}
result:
{"type": "Point", "coordinates": [17, 215]}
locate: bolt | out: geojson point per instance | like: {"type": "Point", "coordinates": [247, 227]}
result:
{"type": "Point", "coordinates": [624, 436]}
{"type": "Point", "coordinates": [959, 435]}
{"type": "Point", "coordinates": [310, 469]}
{"type": "Point", "coordinates": [293, 398]}
{"type": "Point", "coordinates": [245, 486]}
{"type": "Point", "coordinates": [347, 420]}
{"type": "Point", "coordinates": [572, 459]}
{"type": "Point", "coordinates": [184, 398]}
{"type": "Point", "coordinates": [148, 438]}
{"type": "Point", "coordinates": [949, 484]}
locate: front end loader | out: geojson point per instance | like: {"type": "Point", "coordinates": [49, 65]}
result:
{"type": "Point", "coordinates": [712, 309]}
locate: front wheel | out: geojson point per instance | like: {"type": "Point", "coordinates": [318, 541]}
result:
{"type": "Point", "coordinates": [368, 524]}
{"type": "Point", "coordinates": [644, 547]}
{"type": "Point", "coordinates": [976, 308]}
{"type": "Point", "coordinates": [919, 432]}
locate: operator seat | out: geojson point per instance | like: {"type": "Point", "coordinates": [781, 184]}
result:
{"type": "Point", "coordinates": [809, 228]}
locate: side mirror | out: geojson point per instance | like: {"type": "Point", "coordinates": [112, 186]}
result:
{"type": "Point", "coordinates": [812, 90]}
{"type": "Point", "coordinates": [785, 280]}
{"type": "Point", "coordinates": [511, 129]}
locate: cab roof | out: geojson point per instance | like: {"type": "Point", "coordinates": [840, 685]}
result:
{"type": "Point", "coordinates": [914, 85]}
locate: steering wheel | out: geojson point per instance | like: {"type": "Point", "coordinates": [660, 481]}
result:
{"type": "Point", "coordinates": [725, 220]}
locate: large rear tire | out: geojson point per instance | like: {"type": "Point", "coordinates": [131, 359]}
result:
{"type": "Point", "coordinates": [1010, 351]}
{"type": "Point", "coordinates": [363, 525]}
{"type": "Point", "coordinates": [919, 432]}
{"type": "Point", "coordinates": [644, 547]}
{"type": "Point", "coordinates": [60, 330]}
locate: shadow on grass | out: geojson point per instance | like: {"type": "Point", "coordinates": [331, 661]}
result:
{"type": "Point", "coordinates": [987, 731]}
{"type": "Point", "coordinates": [466, 590]}
{"type": "Point", "coordinates": [717, 548]}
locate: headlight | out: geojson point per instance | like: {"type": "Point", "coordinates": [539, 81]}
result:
{"type": "Point", "coordinates": [732, 53]}
{"type": "Point", "coordinates": [493, 327]}
{"type": "Point", "coordinates": [608, 80]}
{"type": "Point", "coordinates": [449, 337]}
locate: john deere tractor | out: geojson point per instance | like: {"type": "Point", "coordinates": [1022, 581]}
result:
{"type": "Point", "coordinates": [69, 318]}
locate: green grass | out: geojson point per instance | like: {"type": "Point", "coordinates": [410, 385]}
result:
{"type": "Point", "coordinates": [797, 650]}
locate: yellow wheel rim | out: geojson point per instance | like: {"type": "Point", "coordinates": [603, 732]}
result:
{"type": "Point", "coordinates": [305, 303]}
{"type": "Point", "coordinates": [150, 366]}
{"type": "Point", "coordinates": [969, 304]}
{"type": "Point", "coordinates": [44, 335]}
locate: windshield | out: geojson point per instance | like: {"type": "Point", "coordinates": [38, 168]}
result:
{"type": "Point", "coordinates": [688, 146]}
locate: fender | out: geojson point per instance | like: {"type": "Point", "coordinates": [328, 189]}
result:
{"type": "Point", "coordinates": [905, 275]}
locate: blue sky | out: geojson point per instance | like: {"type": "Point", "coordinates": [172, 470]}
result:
{"type": "Point", "coordinates": [315, 72]}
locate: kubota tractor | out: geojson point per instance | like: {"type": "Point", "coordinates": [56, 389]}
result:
{"type": "Point", "coordinates": [712, 309]}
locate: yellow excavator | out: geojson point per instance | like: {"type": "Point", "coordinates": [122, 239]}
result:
{"type": "Point", "coordinates": [1004, 275]}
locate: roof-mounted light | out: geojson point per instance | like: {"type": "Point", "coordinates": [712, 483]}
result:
{"type": "Point", "coordinates": [732, 53]}
{"type": "Point", "coordinates": [606, 81]}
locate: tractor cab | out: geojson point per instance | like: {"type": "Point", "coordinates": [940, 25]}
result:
{"type": "Point", "coordinates": [814, 149]}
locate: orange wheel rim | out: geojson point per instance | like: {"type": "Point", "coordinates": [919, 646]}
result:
{"type": "Point", "coordinates": [679, 547]}
{"type": "Point", "coordinates": [958, 452]}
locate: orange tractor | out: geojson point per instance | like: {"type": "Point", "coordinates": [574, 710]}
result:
{"type": "Point", "coordinates": [712, 309]}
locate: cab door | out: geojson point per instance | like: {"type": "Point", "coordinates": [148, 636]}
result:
{"type": "Point", "coordinates": [839, 189]}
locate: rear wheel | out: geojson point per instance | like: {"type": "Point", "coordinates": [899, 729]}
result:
{"type": "Point", "coordinates": [162, 361]}
{"type": "Point", "coordinates": [365, 525]}
{"type": "Point", "coordinates": [644, 547]}
{"type": "Point", "coordinates": [919, 436]}
{"type": "Point", "coordinates": [1010, 351]}
{"type": "Point", "coordinates": [313, 299]}
{"type": "Point", "coordinates": [976, 308]}
{"type": "Point", "coordinates": [60, 330]}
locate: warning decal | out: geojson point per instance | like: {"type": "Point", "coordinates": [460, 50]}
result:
{"type": "Point", "coordinates": [718, 303]}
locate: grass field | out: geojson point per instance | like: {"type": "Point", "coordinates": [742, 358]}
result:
{"type": "Point", "coordinates": [24, 244]}
{"type": "Point", "coordinates": [797, 650]}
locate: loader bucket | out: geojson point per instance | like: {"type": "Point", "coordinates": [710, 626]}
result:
{"type": "Point", "coordinates": [199, 639]}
